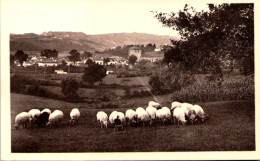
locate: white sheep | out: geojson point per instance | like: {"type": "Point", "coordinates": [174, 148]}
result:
{"type": "Point", "coordinates": [151, 111]}
{"type": "Point", "coordinates": [35, 114]}
{"type": "Point", "coordinates": [175, 105]}
{"type": "Point", "coordinates": [144, 117]}
{"type": "Point", "coordinates": [112, 117]}
{"type": "Point", "coordinates": [131, 116]}
{"type": "Point", "coordinates": [23, 119]}
{"type": "Point", "coordinates": [179, 114]}
{"type": "Point", "coordinates": [74, 115]}
{"type": "Point", "coordinates": [200, 114]}
{"type": "Point", "coordinates": [140, 109]}
{"type": "Point", "coordinates": [102, 119]}
{"type": "Point", "coordinates": [46, 110]}
{"type": "Point", "coordinates": [154, 104]}
{"type": "Point", "coordinates": [55, 118]}
{"type": "Point", "coordinates": [189, 112]}
{"type": "Point", "coordinates": [167, 112]}
{"type": "Point", "coordinates": [163, 114]}
{"type": "Point", "coordinates": [122, 117]}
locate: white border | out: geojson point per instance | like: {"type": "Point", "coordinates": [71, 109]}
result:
{"type": "Point", "coordinates": [5, 115]}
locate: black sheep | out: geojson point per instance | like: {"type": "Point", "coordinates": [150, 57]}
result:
{"type": "Point", "coordinates": [43, 119]}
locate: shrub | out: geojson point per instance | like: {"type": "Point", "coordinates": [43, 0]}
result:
{"type": "Point", "coordinates": [69, 87]}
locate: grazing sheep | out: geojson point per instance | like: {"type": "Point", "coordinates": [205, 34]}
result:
{"type": "Point", "coordinates": [55, 118]}
{"type": "Point", "coordinates": [122, 117]}
{"type": "Point", "coordinates": [140, 109]}
{"type": "Point", "coordinates": [200, 114]}
{"type": "Point", "coordinates": [167, 112]}
{"type": "Point", "coordinates": [131, 117]}
{"type": "Point", "coordinates": [164, 115]}
{"type": "Point", "coordinates": [175, 105]}
{"type": "Point", "coordinates": [43, 119]}
{"type": "Point", "coordinates": [35, 114]}
{"type": "Point", "coordinates": [144, 117]}
{"type": "Point", "coordinates": [179, 114]}
{"type": "Point", "coordinates": [112, 117]}
{"type": "Point", "coordinates": [102, 119]}
{"type": "Point", "coordinates": [190, 114]}
{"type": "Point", "coordinates": [74, 116]}
{"type": "Point", "coordinates": [23, 119]}
{"type": "Point", "coordinates": [46, 110]}
{"type": "Point", "coordinates": [154, 104]}
{"type": "Point", "coordinates": [151, 111]}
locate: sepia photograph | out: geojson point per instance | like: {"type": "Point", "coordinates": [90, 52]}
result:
{"type": "Point", "coordinates": [96, 77]}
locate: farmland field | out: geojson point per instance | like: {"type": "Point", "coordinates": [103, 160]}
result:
{"type": "Point", "coordinates": [231, 127]}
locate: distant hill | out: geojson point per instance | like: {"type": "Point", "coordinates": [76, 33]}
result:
{"type": "Point", "coordinates": [66, 41]}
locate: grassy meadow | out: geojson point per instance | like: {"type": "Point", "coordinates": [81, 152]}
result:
{"type": "Point", "coordinates": [231, 127]}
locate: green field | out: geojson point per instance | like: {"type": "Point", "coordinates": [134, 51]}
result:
{"type": "Point", "coordinates": [231, 127]}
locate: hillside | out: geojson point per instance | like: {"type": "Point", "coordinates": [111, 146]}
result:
{"type": "Point", "coordinates": [65, 41]}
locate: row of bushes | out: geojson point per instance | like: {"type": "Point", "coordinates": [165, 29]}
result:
{"type": "Point", "coordinates": [129, 93]}
{"type": "Point", "coordinates": [134, 73]}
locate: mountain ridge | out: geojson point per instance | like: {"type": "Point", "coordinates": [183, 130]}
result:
{"type": "Point", "coordinates": [66, 41]}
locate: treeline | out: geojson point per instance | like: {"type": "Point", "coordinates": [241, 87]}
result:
{"type": "Point", "coordinates": [123, 51]}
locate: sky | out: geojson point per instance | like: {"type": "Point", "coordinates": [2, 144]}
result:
{"type": "Point", "coordinates": [90, 16]}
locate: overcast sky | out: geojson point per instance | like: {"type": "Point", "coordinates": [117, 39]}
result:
{"type": "Point", "coordinates": [90, 16]}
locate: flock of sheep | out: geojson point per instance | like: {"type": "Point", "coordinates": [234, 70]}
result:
{"type": "Point", "coordinates": [178, 113]}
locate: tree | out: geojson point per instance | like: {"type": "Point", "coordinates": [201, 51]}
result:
{"type": "Point", "coordinates": [74, 56]}
{"type": "Point", "coordinates": [20, 56]}
{"type": "Point", "coordinates": [89, 62]}
{"type": "Point", "coordinates": [210, 35]}
{"type": "Point", "coordinates": [87, 55]}
{"type": "Point", "coordinates": [48, 53]}
{"type": "Point", "coordinates": [93, 73]}
{"type": "Point", "coordinates": [106, 60]}
{"type": "Point", "coordinates": [132, 59]}
{"type": "Point", "coordinates": [69, 88]}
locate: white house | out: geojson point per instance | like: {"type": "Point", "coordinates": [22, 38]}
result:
{"type": "Point", "coordinates": [60, 72]}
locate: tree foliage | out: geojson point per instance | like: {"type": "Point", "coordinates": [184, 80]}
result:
{"type": "Point", "coordinates": [224, 30]}
{"type": "Point", "coordinates": [50, 53]}
{"type": "Point", "coordinates": [132, 59]}
{"type": "Point", "coordinates": [87, 55]}
{"type": "Point", "coordinates": [74, 55]}
{"type": "Point", "coordinates": [93, 73]}
{"type": "Point", "coordinates": [20, 56]}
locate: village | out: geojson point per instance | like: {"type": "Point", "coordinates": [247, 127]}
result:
{"type": "Point", "coordinates": [107, 60]}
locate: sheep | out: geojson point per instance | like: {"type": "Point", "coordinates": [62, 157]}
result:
{"type": "Point", "coordinates": [74, 116]}
{"type": "Point", "coordinates": [179, 114]}
{"type": "Point", "coordinates": [35, 114]}
{"type": "Point", "coordinates": [46, 110]}
{"type": "Point", "coordinates": [43, 119]}
{"type": "Point", "coordinates": [144, 117]}
{"type": "Point", "coordinates": [154, 104]}
{"type": "Point", "coordinates": [55, 118]}
{"type": "Point", "coordinates": [200, 114]}
{"type": "Point", "coordinates": [175, 105]}
{"type": "Point", "coordinates": [23, 119]}
{"type": "Point", "coordinates": [140, 109]}
{"type": "Point", "coordinates": [151, 111]}
{"type": "Point", "coordinates": [112, 117]}
{"type": "Point", "coordinates": [131, 116]}
{"type": "Point", "coordinates": [164, 115]}
{"type": "Point", "coordinates": [102, 119]}
{"type": "Point", "coordinates": [190, 114]}
{"type": "Point", "coordinates": [122, 117]}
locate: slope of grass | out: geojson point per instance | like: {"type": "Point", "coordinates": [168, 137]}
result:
{"type": "Point", "coordinates": [231, 127]}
